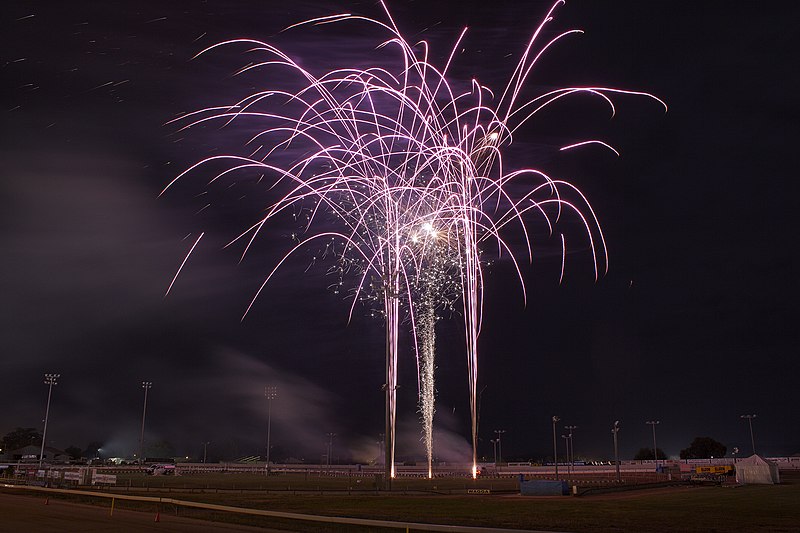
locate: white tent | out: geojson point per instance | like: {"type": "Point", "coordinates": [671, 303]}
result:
{"type": "Point", "coordinates": [757, 470]}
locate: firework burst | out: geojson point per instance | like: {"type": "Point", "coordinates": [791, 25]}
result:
{"type": "Point", "coordinates": [410, 170]}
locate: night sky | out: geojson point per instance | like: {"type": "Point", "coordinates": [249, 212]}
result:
{"type": "Point", "coordinates": [690, 326]}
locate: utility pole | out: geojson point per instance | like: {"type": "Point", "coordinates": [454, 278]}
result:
{"type": "Point", "coordinates": [654, 423]}
{"type": "Point", "coordinates": [49, 380]}
{"type": "Point", "coordinates": [555, 448]}
{"type": "Point", "coordinates": [614, 431]}
{"type": "Point", "coordinates": [270, 393]}
{"type": "Point", "coordinates": [146, 385]}
{"type": "Point", "coordinates": [750, 421]}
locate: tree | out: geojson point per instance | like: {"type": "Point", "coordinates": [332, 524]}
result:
{"type": "Point", "coordinates": [704, 448]}
{"type": "Point", "coordinates": [19, 438]}
{"type": "Point", "coordinates": [74, 452]}
{"type": "Point", "coordinates": [160, 448]}
{"type": "Point", "coordinates": [645, 454]}
{"type": "Point", "coordinates": [92, 450]}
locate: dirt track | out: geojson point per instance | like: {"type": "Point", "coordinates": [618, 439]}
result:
{"type": "Point", "coordinates": [30, 514]}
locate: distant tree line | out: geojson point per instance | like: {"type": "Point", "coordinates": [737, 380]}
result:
{"type": "Point", "coordinates": [645, 454]}
{"type": "Point", "coordinates": [700, 448]}
{"type": "Point", "coordinates": [704, 448]}
{"type": "Point", "coordinates": [21, 437]}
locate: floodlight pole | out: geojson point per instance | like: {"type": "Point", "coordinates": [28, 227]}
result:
{"type": "Point", "coordinates": [270, 393]}
{"type": "Point", "coordinates": [205, 449]}
{"type": "Point", "coordinates": [146, 385]}
{"type": "Point", "coordinates": [750, 422]}
{"type": "Point", "coordinates": [654, 423]}
{"type": "Point", "coordinates": [555, 448]}
{"type": "Point", "coordinates": [49, 380]}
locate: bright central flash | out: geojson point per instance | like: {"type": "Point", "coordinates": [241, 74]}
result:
{"type": "Point", "coordinates": [427, 230]}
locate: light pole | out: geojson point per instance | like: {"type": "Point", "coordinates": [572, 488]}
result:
{"type": "Point", "coordinates": [494, 446]}
{"type": "Point", "coordinates": [571, 448]}
{"type": "Point", "coordinates": [750, 421]}
{"type": "Point", "coordinates": [146, 385]}
{"type": "Point", "coordinates": [499, 433]}
{"type": "Point", "coordinates": [270, 393]}
{"type": "Point", "coordinates": [555, 448]}
{"type": "Point", "coordinates": [614, 431]}
{"type": "Point", "coordinates": [49, 380]}
{"type": "Point", "coordinates": [654, 423]}
{"type": "Point", "coordinates": [205, 449]}
{"type": "Point", "coordinates": [566, 448]}
{"type": "Point", "coordinates": [330, 447]}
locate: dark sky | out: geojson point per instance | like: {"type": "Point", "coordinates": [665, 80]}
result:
{"type": "Point", "coordinates": [690, 326]}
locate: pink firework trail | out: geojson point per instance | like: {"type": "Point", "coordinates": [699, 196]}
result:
{"type": "Point", "coordinates": [410, 169]}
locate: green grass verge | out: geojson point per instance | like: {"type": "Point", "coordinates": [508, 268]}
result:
{"type": "Point", "coordinates": [686, 509]}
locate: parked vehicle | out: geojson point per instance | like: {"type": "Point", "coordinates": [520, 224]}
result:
{"type": "Point", "coordinates": [161, 470]}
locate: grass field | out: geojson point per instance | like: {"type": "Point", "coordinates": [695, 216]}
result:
{"type": "Point", "coordinates": [301, 483]}
{"type": "Point", "coordinates": [690, 509]}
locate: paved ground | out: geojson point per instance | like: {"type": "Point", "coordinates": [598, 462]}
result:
{"type": "Point", "coordinates": [30, 514]}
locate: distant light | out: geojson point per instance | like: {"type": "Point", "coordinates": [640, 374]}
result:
{"type": "Point", "coordinates": [493, 136]}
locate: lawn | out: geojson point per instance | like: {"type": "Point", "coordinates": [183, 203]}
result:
{"type": "Point", "coordinates": [761, 508]}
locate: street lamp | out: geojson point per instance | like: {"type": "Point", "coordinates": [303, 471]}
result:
{"type": "Point", "coordinates": [146, 385]}
{"type": "Point", "coordinates": [205, 449]}
{"type": "Point", "coordinates": [499, 433]}
{"type": "Point", "coordinates": [555, 448]}
{"type": "Point", "coordinates": [571, 448]}
{"type": "Point", "coordinates": [270, 393]}
{"type": "Point", "coordinates": [750, 422]}
{"type": "Point", "coordinates": [654, 423]}
{"type": "Point", "coordinates": [49, 380]}
{"type": "Point", "coordinates": [566, 448]}
{"type": "Point", "coordinates": [614, 431]}
{"type": "Point", "coordinates": [330, 447]}
{"type": "Point", "coordinates": [494, 446]}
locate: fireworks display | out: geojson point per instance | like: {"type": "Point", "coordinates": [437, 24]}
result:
{"type": "Point", "coordinates": [400, 176]}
